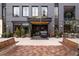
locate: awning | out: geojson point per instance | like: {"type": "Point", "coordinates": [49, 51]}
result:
{"type": "Point", "coordinates": [39, 22]}
{"type": "Point", "coordinates": [40, 19]}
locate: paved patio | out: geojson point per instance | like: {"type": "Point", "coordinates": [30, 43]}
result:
{"type": "Point", "coordinates": [40, 51]}
{"type": "Point", "coordinates": [49, 41]}
{"type": "Point", "coordinates": [51, 47]}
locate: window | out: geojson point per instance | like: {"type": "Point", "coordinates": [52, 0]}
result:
{"type": "Point", "coordinates": [69, 12]}
{"type": "Point", "coordinates": [56, 6]}
{"type": "Point", "coordinates": [44, 11]}
{"type": "Point", "coordinates": [34, 11]}
{"type": "Point", "coordinates": [16, 11]}
{"type": "Point", "coordinates": [25, 11]}
{"type": "Point", "coordinates": [56, 12]}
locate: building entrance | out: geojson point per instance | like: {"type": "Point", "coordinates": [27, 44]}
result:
{"type": "Point", "coordinates": [39, 30]}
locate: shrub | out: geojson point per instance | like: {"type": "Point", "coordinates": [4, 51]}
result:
{"type": "Point", "coordinates": [58, 34]}
{"type": "Point", "coordinates": [17, 32]}
{"type": "Point", "coordinates": [7, 34]}
{"type": "Point", "coordinates": [11, 34]}
{"type": "Point", "coordinates": [22, 31]}
{"type": "Point", "coordinates": [4, 35]}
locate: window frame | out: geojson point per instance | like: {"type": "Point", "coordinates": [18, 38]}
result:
{"type": "Point", "coordinates": [56, 15]}
{"type": "Point", "coordinates": [32, 10]}
{"type": "Point", "coordinates": [42, 11]}
{"type": "Point", "coordinates": [22, 11]}
{"type": "Point", "coordinates": [18, 9]}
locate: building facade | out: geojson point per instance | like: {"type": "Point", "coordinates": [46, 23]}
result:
{"type": "Point", "coordinates": [36, 17]}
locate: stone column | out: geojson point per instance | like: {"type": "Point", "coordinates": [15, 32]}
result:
{"type": "Point", "coordinates": [0, 20]}
{"type": "Point", "coordinates": [30, 11]}
{"type": "Point", "coordinates": [61, 17]}
{"type": "Point", "coordinates": [77, 16]}
{"type": "Point", "coordinates": [30, 29]}
{"type": "Point", "coordinates": [52, 23]}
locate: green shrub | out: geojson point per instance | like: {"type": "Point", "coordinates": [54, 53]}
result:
{"type": "Point", "coordinates": [17, 32]}
{"type": "Point", "coordinates": [11, 34]}
{"type": "Point", "coordinates": [4, 35]}
{"type": "Point", "coordinates": [22, 31]}
{"type": "Point", "coordinates": [7, 34]}
{"type": "Point", "coordinates": [58, 34]}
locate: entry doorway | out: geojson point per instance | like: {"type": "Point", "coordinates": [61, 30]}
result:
{"type": "Point", "coordinates": [39, 30]}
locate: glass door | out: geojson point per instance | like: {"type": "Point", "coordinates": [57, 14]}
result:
{"type": "Point", "coordinates": [40, 30]}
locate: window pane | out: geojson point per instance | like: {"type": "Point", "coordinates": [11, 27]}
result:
{"type": "Point", "coordinates": [56, 11]}
{"type": "Point", "coordinates": [34, 11]}
{"type": "Point", "coordinates": [16, 11]}
{"type": "Point", "coordinates": [44, 11]}
{"type": "Point", "coordinates": [25, 11]}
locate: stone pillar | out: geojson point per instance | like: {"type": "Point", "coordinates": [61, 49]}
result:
{"type": "Point", "coordinates": [0, 20]}
{"type": "Point", "coordinates": [0, 27]}
{"type": "Point", "coordinates": [29, 29]}
{"type": "Point", "coordinates": [52, 23]}
{"type": "Point", "coordinates": [30, 11]}
{"type": "Point", "coordinates": [61, 17]}
{"type": "Point", "coordinates": [9, 26]}
{"type": "Point", "coordinates": [77, 16]}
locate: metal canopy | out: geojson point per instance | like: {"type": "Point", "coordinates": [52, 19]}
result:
{"type": "Point", "coordinates": [40, 19]}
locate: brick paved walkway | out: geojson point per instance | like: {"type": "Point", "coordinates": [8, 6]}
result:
{"type": "Point", "coordinates": [40, 51]}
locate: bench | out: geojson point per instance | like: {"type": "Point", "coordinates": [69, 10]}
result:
{"type": "Point", "coordinates": [71, 43]}
{"type": "Point", "coordinates": [6, 45]}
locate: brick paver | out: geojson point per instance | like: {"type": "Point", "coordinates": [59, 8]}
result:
{"type": "Point", "coordinates": [40, 51]}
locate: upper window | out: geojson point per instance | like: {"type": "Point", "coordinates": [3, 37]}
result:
{"type": "Point", "coordinates": [35, 11]}
{"type": "Point", "coordinates": [25, 11]}
{"type": "Point", "coordinates": [16, 11]}
{"type": "Point", "coordinates": [44, 11]}
{"type": "Point", "coordinates": [69, 12]}
{"type": "Point", "coordinates": [56, 12]}
{"type": "Point", "coordinates": [56, 6]}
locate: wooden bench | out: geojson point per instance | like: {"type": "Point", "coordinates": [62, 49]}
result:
{"type": "Point", "coordinates": [6, 43]}
{"type": "Point", "coordinates": [71, 43]}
